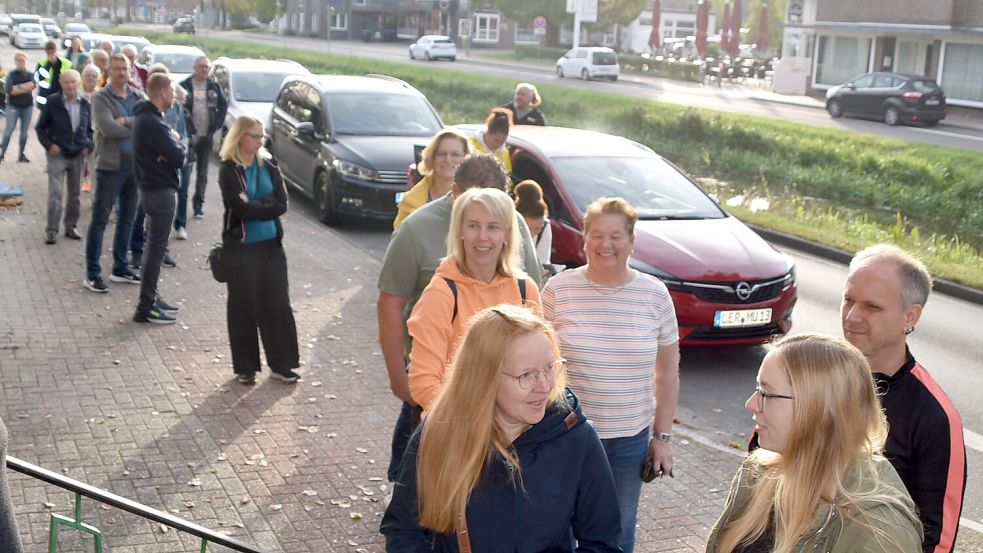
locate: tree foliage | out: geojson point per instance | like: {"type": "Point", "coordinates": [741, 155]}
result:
{"type": "Point", "coordinates": [776, 16]}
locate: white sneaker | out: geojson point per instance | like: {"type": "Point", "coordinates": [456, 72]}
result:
{"type": "Point", "coordinates": [181, 234]}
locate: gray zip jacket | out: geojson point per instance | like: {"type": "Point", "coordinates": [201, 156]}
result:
{"type": "Point", "coordinates": [107, 132]}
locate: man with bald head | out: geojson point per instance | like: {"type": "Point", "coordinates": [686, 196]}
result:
{"type": "Point", "coordinates": [886, 291]}
{"type": "Point", "coordinates": [65, 131]}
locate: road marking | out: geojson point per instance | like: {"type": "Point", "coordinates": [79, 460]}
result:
{"type": "Point", "coordinates": [975, 526]}
{"type": "Point", "coordinates": [950, 134]}
{"type": "Point", "coordinates": [973, 440]}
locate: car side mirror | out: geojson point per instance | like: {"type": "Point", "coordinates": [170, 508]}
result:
{"type": "Point", "coordinates": [851, 86]}
{"type": "Point", "coordinates": [305, 130]}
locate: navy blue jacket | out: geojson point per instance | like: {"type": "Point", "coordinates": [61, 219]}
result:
{"type": "Point", "coordinates": [158, 156]}
{"type": "Point", "coordinates": [55, 127]}
{"type": "Point", "coordinates": [217, 105]}
{"type": "Point", "coordinates": [568, 504]}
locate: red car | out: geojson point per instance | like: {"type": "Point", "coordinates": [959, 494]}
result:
{"type": "Point", "coordinates": [729, 286]}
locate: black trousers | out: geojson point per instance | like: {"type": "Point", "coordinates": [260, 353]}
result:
{"type": "Point", "coordinates": [158, 206]}
{"type": "Point", "coordinates": [259, 298]}
{"type": "Point", "coordinates": [203, 151]}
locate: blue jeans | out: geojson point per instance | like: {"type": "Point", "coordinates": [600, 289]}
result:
{"type": "Point", "coordinates": [406, 423]}
{"type": "Point", "coordinates": [111, 185]}
{"type": "Point", "coordinates": [626, 457]}
{"type": "Point", "coordinates": [181, 217]}
{"type": "Point", "coordinates": [13, 115]}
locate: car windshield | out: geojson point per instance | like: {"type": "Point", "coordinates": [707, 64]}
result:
{"type": "Point", "coordinates": [177, 62]}
{"type": "Point", "coordinates": [362, 113]}
{"type": "Point", "coordinates": [28, 28]}
{"type": "Point", "coordinates": [656, 189]}
{"type": "Point", "coordinates": [605, 58]}
{"type": "Point", "coordinates": [77, 28]}
{"type": "Point", "coordinates": [442, 41]}
{"type": "Point", "coordinates": [925, 87]}
{"type": "Point", "coordinates": [256, 87]}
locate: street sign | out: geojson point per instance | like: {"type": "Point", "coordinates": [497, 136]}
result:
{"type": "Point", "coordinates": [539, 31]}
{"type": "Point", "coordinates": [586, 9]}
{"type": "Point", "coordinates": [539, 22]}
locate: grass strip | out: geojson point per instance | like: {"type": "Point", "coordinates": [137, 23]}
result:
{"type": "Point", "coordinates": [927, 199]}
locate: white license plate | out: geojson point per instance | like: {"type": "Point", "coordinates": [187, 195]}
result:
{"type": "Point", "coordinates": [744, 317]}
{"type": "Point", "coordinates": [932, 102]}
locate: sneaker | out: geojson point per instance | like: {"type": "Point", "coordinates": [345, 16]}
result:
{"type": "Point", "coordinates": [73, 234]}
{"type": "Point", "coordinates": [181, 234]}
{"type": "Point", "coordinates": [23, 159]}
{"type": "Point", "coordinates": [168, 261]}
{"type": "Point", "coordinates": [154, 316]}
{"type": "Point", "coordinates": [127, 277]}
{"type": "Point", "coordinates": [165, 307]}
{"type": "Point", "coordinates": [287, 376]}
{"type": "Point", "coordinates": [246, 378]}
{"type": "Point", "coordinates": [199, 215]}
{"type": "Point", "coordinates": [95, 284]}
{"type": "Point", "coordinates": [136, 261]}
{"type": "Point", "coordinates": [49, 237]}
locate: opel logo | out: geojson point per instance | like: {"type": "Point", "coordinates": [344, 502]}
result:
{"type": "Point", "coordinates": [743, 291]}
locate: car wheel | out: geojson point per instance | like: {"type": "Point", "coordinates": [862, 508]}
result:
{"type": "Point", "coordinates": [930, 122]}
{"type": "Point", "coordinates": [614, 79]}
{"type": "Point", "coordinates": [412, 57]}
{"type": "Point", "coordinates": [453, 58]}
{"type": "Point", "coordinates": [584, 74]}
{"type": "Point", "coordinates": [834, 108]}
{"type": "Point", "coordinates": [559, 71]}
{"type": "Point", "coordinates": [426, 54]}
{"type": "Point", "coordinates": [892, 116]}
{"type": "Point", "coordinates": [326, 211]}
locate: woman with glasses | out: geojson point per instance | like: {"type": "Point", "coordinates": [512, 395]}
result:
{"type": "Point", "coordinates": [440, 158]}
{"type": "Point", "coordinates": [819, 480]}
{"type": "Point", "coordinates": [255, 197]}
{"type": "Point", "coordinates": [481, 269]}
{"type": "Point", "coordinates": [618, 332]}
{"type": "Point", "coordinates": [504, 460]}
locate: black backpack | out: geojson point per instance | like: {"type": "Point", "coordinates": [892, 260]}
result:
{"type": "Point", "coordinates": [453, 286]}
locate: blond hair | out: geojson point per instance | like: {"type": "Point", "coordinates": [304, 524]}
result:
{"type": "Point", "coordinates": [837, 427]}
{"type": "Point", "coordinates": [230, 146]}
{"type": "Point", "coordinates": [461, 434]}
{"type": "Point", "coordinates": [916, 282]}
{"type": "Point", "coordinates": [426, 164]}
{"type": "Point", "coordinates": [536, 98]}
{"type": "Point", "coordinates": [502, 209]}
{"type": "Point", "coordinates": [611, 206]}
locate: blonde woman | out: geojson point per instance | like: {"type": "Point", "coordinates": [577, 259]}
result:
{"type": "Point", "coordinates": [525, 106]}
{"type": "Point", "coordinates": [481, 270]}
{"type": "Point", "coordinates": [491, 140]}
{"type": "Point", "coordinates": [440, 158]}
{"type": "Point", "coordinates": [254, 197]}
{"type": "Point", "coordinates": [505, 460]}
{"type": "Point", "coordinates": [819, 481]}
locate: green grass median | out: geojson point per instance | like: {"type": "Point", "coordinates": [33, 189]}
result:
{"type": "Point", "coordinates": [842, 189]}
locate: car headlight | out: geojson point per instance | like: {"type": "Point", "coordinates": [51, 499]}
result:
{"type": "Point", "coordinates": [354, 170]}
{"type": "Point", "coordinates": [790, 271]}
{"type": "Point", "coordinates": [669, 280]}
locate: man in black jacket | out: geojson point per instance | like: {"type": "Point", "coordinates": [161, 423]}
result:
{"type": "Point", "coordinates": [65, 131]}
{"type": "Point", "coordinates": [159, 155]}
{"type": "Point", "coordinates": [206, 106]}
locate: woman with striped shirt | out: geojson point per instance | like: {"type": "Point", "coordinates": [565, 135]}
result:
{"type": "Point", "coordinates": [618, 332]}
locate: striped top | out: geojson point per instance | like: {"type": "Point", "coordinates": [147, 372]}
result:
{"type": "Point", "coordinates": [610, 338]}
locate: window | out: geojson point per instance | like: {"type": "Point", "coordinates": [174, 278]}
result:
{"type": "Point", "coordinates": [884, 81]}
{"type": "Point", "coordinates": [962, 73]}
{"type": "Point", "coordinates": [866, 81]}
{"type": "Point", "coordinates": [839, 58]}
{"type": "Point", "coordinates": [486, 27]}
{"type": "Point", "coordinates": [339, 21]}
{"type": "Point", "coordinates": [359, 2]}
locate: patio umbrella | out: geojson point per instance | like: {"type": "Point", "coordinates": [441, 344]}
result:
{"type": "Point", "coordinates": [763, 29]}
{"type": "Point", "coordinates": [654, 43]}
{"type": "Point", "coordinates": [735, 29]}
{"type": "Point", "coordinates": [725, 31]}
{"type": "Point", "coordinates": [702, 21]}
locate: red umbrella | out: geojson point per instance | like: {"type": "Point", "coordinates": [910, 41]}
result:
{"type": "Point", "coordinates": [654, 43]}
{"type": "Point", "coordinates": [735, 29]}
{"type": "Point", "coordinates": [763, 29]}
{"type": "Point", "coordinates": [702, 22]}
{"type": "Point", "coordinates": [725, 31]}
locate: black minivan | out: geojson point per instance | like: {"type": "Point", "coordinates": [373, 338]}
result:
{"type": "Point", "coordinates": [346, 141]}
{"type": "Point", "coordinates": [892, 97]}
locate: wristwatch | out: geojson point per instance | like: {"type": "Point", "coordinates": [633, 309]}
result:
{"type": "Point", "coordinates": [662, 436]}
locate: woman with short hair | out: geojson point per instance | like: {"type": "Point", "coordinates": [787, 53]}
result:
{"type": "Point", "coordinates": [505, 461]}
{"type": "Point", "coordinates": [440, 158]}
{"type": "Point", "coordinates": [525, 106]}
{"type": "Point", "coordinates": [258, 296]}
{"type": "Point", "coordinates": [491, 139]}
{"type": "Point", "coordinates": [819, 480]}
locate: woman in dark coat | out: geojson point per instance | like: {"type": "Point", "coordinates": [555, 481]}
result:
{"type": "Point", "coordinates": [9, 538]}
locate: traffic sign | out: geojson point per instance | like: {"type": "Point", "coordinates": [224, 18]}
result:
{"type": "Point", "coordinates": [539, 22]}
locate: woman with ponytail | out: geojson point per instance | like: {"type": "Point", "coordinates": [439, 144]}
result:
{"type": "Point", "coordinates": [492, 139]}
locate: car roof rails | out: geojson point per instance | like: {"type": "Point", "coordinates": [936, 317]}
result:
{"type": "Point", "coordinates": [391, 79]}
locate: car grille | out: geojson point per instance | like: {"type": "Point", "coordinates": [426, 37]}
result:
{"type": "Point", "coordinates": [759, 291]}
{"type": "Point", "coordinates": [708, 333]}
{"type": "Point", "coordinates": [392, 177]}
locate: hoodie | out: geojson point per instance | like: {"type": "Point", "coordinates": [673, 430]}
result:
{"type": "Point", "coordinates": [436, 331]}
{"type": "Point", "coordinates": [566, 502]}
{"type": "Point", "coordinates": [158, 156]}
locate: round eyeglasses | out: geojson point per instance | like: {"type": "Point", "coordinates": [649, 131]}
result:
{"type": "Point", "coordinates": [548, 373]}
{"type": "Point", "coordinates": [763, 395]}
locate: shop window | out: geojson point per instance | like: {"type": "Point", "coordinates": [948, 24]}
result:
{"type": "Point", "coordinates": [486, 27]}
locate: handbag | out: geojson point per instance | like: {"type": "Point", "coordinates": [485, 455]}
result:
{"type": "Point", "coordinates": [216, 263]}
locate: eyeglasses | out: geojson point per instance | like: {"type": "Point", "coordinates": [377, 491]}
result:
{"type": "Point", "coordinates": [259, 137]}
{"type": "Point", "coordinates": [449, 155]}
{"type": "Point", "coordinates": [528, 379]}
{"type": "Point", "coordinates": [763, 395]}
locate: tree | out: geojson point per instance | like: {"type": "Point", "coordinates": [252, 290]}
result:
{"type": "Point", "coordinates": [609, 12]}
{"type": "Point", "coordinates": [776, 22]}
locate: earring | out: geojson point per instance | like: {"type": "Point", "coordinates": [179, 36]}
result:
{"type": "Point", "coordinates": [909, 331]}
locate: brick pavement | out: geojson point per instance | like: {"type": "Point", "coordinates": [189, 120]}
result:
{"type": "Point", "coordinates": [152, 413]}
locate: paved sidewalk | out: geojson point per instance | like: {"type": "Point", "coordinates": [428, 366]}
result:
{"type": "Point", "coordinates": [152, 413]}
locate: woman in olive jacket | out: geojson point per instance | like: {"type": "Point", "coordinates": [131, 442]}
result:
{"type": "Point", "coordinates": [254, 197]}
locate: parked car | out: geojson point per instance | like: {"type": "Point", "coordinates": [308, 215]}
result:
{"type": "Point", "coordinates": [433, 47]}
{"type": "Point", "coordinates": [50, 27]}
{"type": "Point", "coordinates": [92, 41]}
{"type": "Point", "coordinates": [16, 19]}
{"type": "Point", "coordinates": [184, 25]}
{"type": "Point", "coordinates": [5, 23]}
{"type": "Point", "coordinates": [892, 97]}
{"type": "Point", "coordinates": [119, 41]}
{"type": "Point", "coordinates": [73, 30]}
{"type": "Point", "coordinates": [179, 59]}
{"type": "Point", "coordinates": [728, 285]}
{"type": "Point", "coordinates": [589, 63]}
{"type": "Point", "coordinates": [250, 87]}
{"type": "Point", "coordinates": [346, 141]}
{"type": "Point", "coordinates": [29, 35]}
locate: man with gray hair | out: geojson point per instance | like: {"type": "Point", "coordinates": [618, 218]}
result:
{"type": "Point", "coordinates": [65, 131]}
{"type": "Point", "coordinates": [886, 291]}
{"type": "Point", "coordinates": [206, 106]}
{"type": "Point", "coordinates": [138, 75]}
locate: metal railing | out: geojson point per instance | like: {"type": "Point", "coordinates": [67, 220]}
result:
{"type": "Point", "coordinates": [81, 489]}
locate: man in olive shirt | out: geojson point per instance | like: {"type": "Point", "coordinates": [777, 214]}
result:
{"type": "Point", "coordinates": [414, 252]}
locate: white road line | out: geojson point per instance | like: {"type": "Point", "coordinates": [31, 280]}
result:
{"type": "Point", "coordinates": [949, 134]}
{"type": "Point", "coordinates": [973, 440]}
{"type": "Point", "coordinates": [974, 526]}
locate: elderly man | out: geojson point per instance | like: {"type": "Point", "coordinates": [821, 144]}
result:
{"type": "Point", "coordinates": [886, 291]}
{"type": "Point", "coordinates": [48, 72]}
{"type": "Point", "coordinates": [101, 60]}
{"type": "Point", "coordinates": [206, 106]}
{"type": "Point", "coordinates": [138, 75]}
{"type": "Point", "coordinates": [65, 131]}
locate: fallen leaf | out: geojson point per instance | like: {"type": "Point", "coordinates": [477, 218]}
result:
{"type": "Point", "coordinates": [48, 505]}
{"type": "Point", "coordinates": [189, 504]}
{"type": "Point", "coordinates": [195, 483]}
{"type": "Point", "coordinates": [355, 516]}
{"type": "Point", "coordinates": [276, 507]}
{"type": "Point", "coordinates": [309, 493]}
{"type": "Point", "coordinates": [243, 500]}
{"type": "Point", "coordinates": [163, 529]}
{"type": "Point", "coordinates": [361, 450]}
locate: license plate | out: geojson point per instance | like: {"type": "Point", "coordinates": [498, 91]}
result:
{"type": "Point", "coordinates": [743, 317]}
{"type": "Point", "coordinates": [932, 102]}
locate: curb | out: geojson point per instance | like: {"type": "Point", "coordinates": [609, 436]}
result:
{"type": "Point", "coordinates": [940, 285]}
